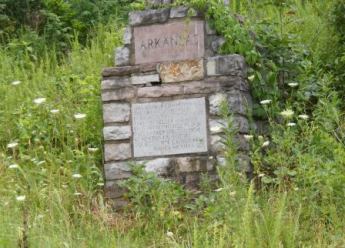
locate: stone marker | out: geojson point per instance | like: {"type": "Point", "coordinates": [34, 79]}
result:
{"type": "Point", "coordinates": [161, 104]}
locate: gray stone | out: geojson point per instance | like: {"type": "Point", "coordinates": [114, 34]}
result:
{"type": "Point", "coordinates": [117, 133]}
{"type": "Point", "coordinates": [217, 43]}
{"type": "Point", "coordinates": [115, 171]}
{"type": "Point", "coordinates": [215, 102]}
{"type": "Point", "coordinates": [145, 78]}
{"type": "Point", "coordinates": [116, 112]}
{"type": "Point", "coordinates": [241, 124]}
{"type": "Point", "coordinates": [192, 164]}
{"type": "Point", "coordinates": [217, 145]}
{"type": "Point", "coordinates": [216, 126]}
{"type": "Point", "coordinates": [119, 94]}
{"type": "Point", "coordinates": [169, 127]}
{"type": "Point", "coordinates": [226, 65]}
{"type": "Point", "coordinates": [115, 152]}
{"type": "Point", "coordinates": [113, 190]}
{"type": "Point", "coordinates": [127, 36]}
{"type": "Point", "coordinates": [239, 102]}
{"type": "Point", "coordinates": [159, 166]}
{"type": "Point", "coordinates": [115, 83]}
{"type": "Point", "coordinates": [160, 91]}
{"type": "Point", "coordinates": [122, 56]}
{"type": "Point", "coordinates": [148, 17]}
{"type": "Point", "coordinates": [156, 3]}
{"type": "Point", "coordinates": [200, 87]}
{"type": "Point", "coordinates": [241, 143]}
{"type": "Point", "coordinates": [179, 12]}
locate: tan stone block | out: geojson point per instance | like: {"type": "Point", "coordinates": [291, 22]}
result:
{"type": "Point", "coordinates": [181, 71]}
{"type": "Point", "coordinates": [164, 91]}
{"type": "Point", "coordinates": [115, 152]}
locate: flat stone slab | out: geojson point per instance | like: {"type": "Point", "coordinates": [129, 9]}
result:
{"type": "Point", "coordinates": [169, 127]}
{"type": "Point", "coordinates": [177, 40]}
{"type": "Point", "coordinates": [171, 72]}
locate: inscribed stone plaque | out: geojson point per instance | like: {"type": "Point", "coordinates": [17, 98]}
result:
{"type": "Point", "coordinates": [169, 127]}
{"type": "Point", "coordinates": [178, 40]}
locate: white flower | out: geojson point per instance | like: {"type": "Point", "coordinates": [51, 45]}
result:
{"type": "Point", "coordinates": [54, 111]}
{"type": "Point", "coordinates": [77, 194]}
{"type": "Point", "coordinates": [265, 144]}
{"type": "Point", "coordinates": [292, 85]}
{"type": "Point", "coordinates": [79, 116]}
{"type": "Point", "coordinates": [248, 137]}
{"type": "Point", "coordinates": [261, 174]}
{"type": "Point", "coordinates": [92, 149]}
{"type": "Point", "coordinates": [77, 176]}
{"type": "Point", "coordinates": [12, 145]}
{"type": "Point", "coordinates": [21, 198]}
{"type": "Point", "coordinates": [291, 124]}
{"type": "Point", "coordinates": [265, 102]}
{"type": "Point", "coordinates": [251, 78]}
{"type": "Point", "coordinates": [287, 113]}
{"type": "Point", "coordinates": [39, 101]}
{"type": "Point", "coordinates": [232, 193]}
{"type": "Point", "coordinates": [218, 190]}
{"type": "Point", "coordinates": [13, 166]}
{"type": "Point", "coordinates": [304, 117]}
{"type": "Point", "coordinates": [100, 184]}
{"type": "Point", "coordinates": [17, 82]}
{"type": "Point", "coordinates": [170, 234]}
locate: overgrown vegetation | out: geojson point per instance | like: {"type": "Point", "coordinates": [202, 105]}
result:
{"type": "Point", "coordinates": [50, 137]}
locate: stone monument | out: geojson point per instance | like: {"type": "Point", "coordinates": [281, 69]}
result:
{"type": "Point", "coordinates": [161, 101]}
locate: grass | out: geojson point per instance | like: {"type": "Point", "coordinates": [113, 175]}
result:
{"type": "Point", "coordinates": [304, 209]}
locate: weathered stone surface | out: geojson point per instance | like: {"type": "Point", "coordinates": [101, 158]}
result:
{"type": "Point", "coordinates": [148, 17]}
{"type": "Point", "coordinates": [200, 87]}
{"type": "Point", "coordinates": [179, 12]}
{"type": "Point", "coordinates": [217, 126]}
{"type": "Point", "coordinates": [117, 133]}
{"type": "Point", "coordinates": [215, 102]}
{"type": "Point", "coordinates": [217, 43]}
{"type": "Point", "coordinates": [127, 36]}
{"type": "Point", "coordinates": [160, 91]}
{"type": "Point", "coordinates": [115, 83]}
{"type": "Point", "coordinates": [113, 190]}
{"type": "Point", "coordinates": [192, 180]}
{"type": "Point", "coordinates": [226, 65]}
{"type": "Point", "coordinates": [115, 152]}
{"type": "Point", "coordinates": [128, 70]}
{"type": "Point", "coordinates": [241, 143]}
{"type": "Point", "coordinates": [158, 2]}
{"type": "Point", "coordinates": [241, 124]}
{"type": "Point", "coordinates": [159, 166]}
{"type": "Point", "coordinates": [217, 145]}
{"type": "Point", "coordinates": [119, 94]}
{"type": "Point", "coordinates": [145, 78]}
{"type": "Point", "coordinates": [176, 40]}
{"type": "Point", "coordinates": [192, 164]}
{"type": "Point", "coordinates": [116, 112]}
{"type": "Point", "coordinates": [115, 171]}
{"type": "Point", "coordinates": [122, 56]}
{"type": "Point", "coordinates": [181, 71]}
{"type": "Point", "coordinates": [239, 102]}
{"type": "Point", "coordinates": [229, 82]}
{"type": "Point", "coordinates": [169, 127]}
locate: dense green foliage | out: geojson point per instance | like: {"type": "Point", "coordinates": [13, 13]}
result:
{"type": "Point", "coordinates": [50, 132]}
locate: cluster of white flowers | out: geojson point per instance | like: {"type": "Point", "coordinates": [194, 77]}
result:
{"type": "Point", "coordinates": [21, 198]}
{"type": "Point", "coordinates": [77, 176]}
{"type": "Point", "coordinates": [16, 82]}
{"type": "Point", "coordinates": [12, 145]}
{"type": "Point", "coordinates": [288, 113]}
{"type": "Point", "coordinates": [265, 102]}
{"type": "Point", "coordinates": [40, 100]}
{"type": "Point", "coordinates": [79, 116]}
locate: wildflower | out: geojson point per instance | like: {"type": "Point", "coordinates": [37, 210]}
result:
{"type": "Point", "coordinates": [77, 176]}
{"type": "Point", "coordinates": [92, 149]}
{"type": "Point", "coordinates": [293, 85]}
{"type": "Point", "coordinates": [13, 166]}
{"type": "Point", "coordinates": [232, 193]}
{"type": "Point", "coordinates": [248, 137]}
{"type": "Point", "coordinates": [170, 234]}
{"type": "Point", "coordinates": [21, 198]}
{"type": "Point", "coordinates": [291, 124]}
{"type": "Point", "coordinates": [39, 101]}
{"type": "Point", "coordinates": [218, 190]}
{"type": "Point", "coordinates": [304, 117]}
{"type": "Point", "coordinates": [77, 194]}
{"type": "Point", "coordinates": [265, 102]}
{"type": "Point", "coordinates": [261, 174]}
{"type": "Point", "coordinates": [260, 137]}
{"type": "Point", "coordinates": [287, 113]}
{"type": "Point", "coordinates": [265, 144]}
{"type": "Point", "coordinates": [17, 82]}
{"type": "Point", "coordinates": [54, 111]}
{"type": "Point", "coordinates": [100, 184]}
{"type": "Point", "coordinates": [251, 78]}
{"type": "Point", "coordinates": [12, 145]}
{"type": "Point", "coordinates": [79, 116]}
